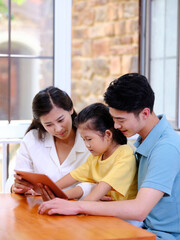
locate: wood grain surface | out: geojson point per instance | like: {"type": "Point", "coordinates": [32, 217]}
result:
{"type": "Point", "coordinates": [19, 220]}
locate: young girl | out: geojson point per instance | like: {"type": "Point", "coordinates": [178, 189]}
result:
{"type": "Point", "coordinates": [111, 164]}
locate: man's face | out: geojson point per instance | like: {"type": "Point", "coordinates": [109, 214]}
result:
{"type": "Point", "coordinates": [128, 123]}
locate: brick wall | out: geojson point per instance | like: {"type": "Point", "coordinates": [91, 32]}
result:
{"type": "Point", "coordinates": [105, 45]}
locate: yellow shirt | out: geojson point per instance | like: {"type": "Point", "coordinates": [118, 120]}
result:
{"type": "Point", "coordinates": [119, 171]}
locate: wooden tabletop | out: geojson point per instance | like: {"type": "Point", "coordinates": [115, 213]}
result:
{"type": "Point", "coordinates": [19, 220]}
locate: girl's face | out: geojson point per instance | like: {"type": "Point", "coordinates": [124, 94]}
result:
{"type": "Point", "coordinates": [95, 143]}
{"type": "Point", "coordinates": [58, 122]}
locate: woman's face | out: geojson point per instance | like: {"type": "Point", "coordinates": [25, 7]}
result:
{"type": "Point", "coordinates": [58, 122]}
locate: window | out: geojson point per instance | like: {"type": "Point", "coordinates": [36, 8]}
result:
{"type": "Point", "coordinates": [35, 52]}
{"type": "Point", "coordinates": [159, 54]}
{"type": "Point", "coordinates": [26, 55]}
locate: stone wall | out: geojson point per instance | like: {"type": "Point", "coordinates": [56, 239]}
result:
{"type": "Point", "coordinates": [105, 42]}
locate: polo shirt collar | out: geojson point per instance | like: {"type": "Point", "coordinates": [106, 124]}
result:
{"type": "Point", "coordinates": [145, 147]}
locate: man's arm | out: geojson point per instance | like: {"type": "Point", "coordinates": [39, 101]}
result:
{"type": "Point", "coordinates": [136, 209]}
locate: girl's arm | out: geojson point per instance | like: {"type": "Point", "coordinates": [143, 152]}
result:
{"type": "Point", "coordinates": [66, 181]}
{"type": "Point", "coordinates": [74, 193]}
{"type": "Point", "coordinates": [98, 192]}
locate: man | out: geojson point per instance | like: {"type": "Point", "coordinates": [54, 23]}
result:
{"type": "Point", "coordinates": [131, 100]}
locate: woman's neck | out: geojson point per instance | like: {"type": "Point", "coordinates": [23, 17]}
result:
{"type": "Point", "coordinates": [63, 147]}
{"type": "Point", "coordinates": [113, 146]}
{"type": "Point", "coordinates": [68, 141]}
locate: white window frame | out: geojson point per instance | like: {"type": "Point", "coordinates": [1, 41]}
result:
{"type": "Point", "coordinates": [14, 131]}
{"type": "Point", "coordinates": [62, 52]}
{"type": "Point", "coordinates": [62, 64]}
{"type": "Point", "coordinates": [178, 68]}
{"type": "Point", "coordinates": [145, 48]}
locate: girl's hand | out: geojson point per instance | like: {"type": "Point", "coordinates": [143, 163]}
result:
{"type": "Point", "coordinates": [99, 192]}
{"type": "Point", "coordinates": [20, 186]}
{"type": "Point", "coordinates": [59, 206]}
{"type": "Point", "coordinates": [106, 198]}
{"type": "Point", "coordinates": [46, 192]}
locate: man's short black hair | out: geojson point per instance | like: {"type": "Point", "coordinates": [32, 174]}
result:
{"type": "Point", "coordinates": [130, 92]}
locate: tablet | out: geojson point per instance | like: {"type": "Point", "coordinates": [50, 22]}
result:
{"type": "Point", "coordinates": [35, 178]}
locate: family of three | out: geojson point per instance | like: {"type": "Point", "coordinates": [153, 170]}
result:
{"type": "Point", "coordinates": [109, 173]}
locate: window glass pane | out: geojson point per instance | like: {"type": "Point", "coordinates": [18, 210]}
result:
{"type": "Point", "coordinates": [28, 76]}
{"type": "Point", "coordinates": [163, 56]}
{"type": "Point", "coordinates": [171, 28]}
{"type": "Point", "coordinates": [3, 88]}
{"type": "Point", "coordinates": [3, 26]}
{"type": "Point", "coordinates": [157, 29]}
{"type": "Point", "coordinates": [1, 156]}
{"type": "Point", "coordinates": [157, 72]}
{"type": "Point", "coordinates": [32, 27]}
{"type": "Point", "coordinates": [170, 89]}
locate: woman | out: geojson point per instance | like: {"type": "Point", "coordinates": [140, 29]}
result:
{"type": "Point", "coordinates": [51, 145]}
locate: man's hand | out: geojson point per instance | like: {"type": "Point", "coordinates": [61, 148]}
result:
{"type": "Point", "coordinates": [59, 206]}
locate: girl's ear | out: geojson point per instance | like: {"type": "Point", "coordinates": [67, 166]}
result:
{"type": "Point", "coordinates": [108, 134]}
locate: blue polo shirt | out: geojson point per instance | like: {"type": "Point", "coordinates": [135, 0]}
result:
{"type": "Point", "coordinates": [158, 157]}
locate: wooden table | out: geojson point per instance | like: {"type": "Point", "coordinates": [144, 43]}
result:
{"type": "Point", "coordinates": [19, 220]}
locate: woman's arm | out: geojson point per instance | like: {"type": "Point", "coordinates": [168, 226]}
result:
{"type": "Point", "coordinates": [25, 156]}
{"type": "Point", "coordinates": [23, 162]}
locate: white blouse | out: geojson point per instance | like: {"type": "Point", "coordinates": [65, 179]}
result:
{"type": "Point", "coordinates": [40, 156]}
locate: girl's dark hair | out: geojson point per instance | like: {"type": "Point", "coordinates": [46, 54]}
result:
{"type": "Point", "coordinates": [100, 120]}
{"type": "Point", "coordinates": [43, 103]}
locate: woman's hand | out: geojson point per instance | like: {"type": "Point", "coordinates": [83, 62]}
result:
{"type": "Point", "coordinates": [46, 192]}
{"type": "Point", "coordinates": [59, 206]}
{"type": "Point", "coordinates": [20, 186]}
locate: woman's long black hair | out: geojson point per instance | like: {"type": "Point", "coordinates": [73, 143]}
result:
{"type": "Point", "coordinates": [43, 103]}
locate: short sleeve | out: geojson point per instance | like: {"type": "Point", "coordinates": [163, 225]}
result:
{"type": "Point", "coordinates": [163, 167]}
{"type": "Point", "coordinates": [83, 172]}
{"type": "Point", "coordinates": [123, 172]}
